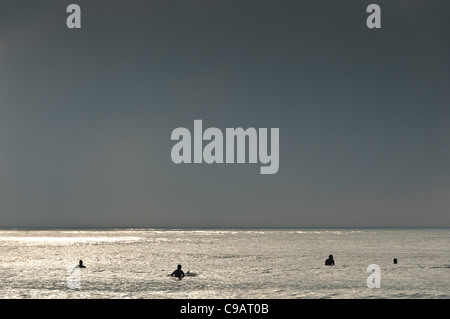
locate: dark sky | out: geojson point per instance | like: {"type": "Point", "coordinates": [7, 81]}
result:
{"type": "Point", "coordinates": [86, 115]}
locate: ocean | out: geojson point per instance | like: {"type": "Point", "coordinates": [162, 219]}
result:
{"type": "Point", "coordinates": [224, 263]}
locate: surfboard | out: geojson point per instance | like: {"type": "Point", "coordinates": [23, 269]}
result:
{"type": "Point", "coordinates": [190, 274]}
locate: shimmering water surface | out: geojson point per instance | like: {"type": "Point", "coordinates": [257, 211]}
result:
{"type": "Point", "coordinates": [225, 263]}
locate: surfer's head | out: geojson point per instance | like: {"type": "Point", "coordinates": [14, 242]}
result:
{"type": "Point", "coordinates": [179, 267]}
{"type": "Point", "coordinates": [331, 256]}
{"type": "Point", "coordinates": [395, 260]}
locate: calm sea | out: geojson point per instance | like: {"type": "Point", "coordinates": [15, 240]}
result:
{"type": "Point", "coordinates": [224, 263]}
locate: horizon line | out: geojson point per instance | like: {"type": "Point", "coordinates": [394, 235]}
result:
{"type": "Point", "coordinates": [218, 227]}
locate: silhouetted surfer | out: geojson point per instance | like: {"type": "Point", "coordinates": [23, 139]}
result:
{"type": "Point", "coordinates": [80, 265]}
{"type": "Point", "coordinates": [329, 261]}
{"type": "Point", "coordinates": [178, 273]}
{"type": "Point", "coordinates": [395, 261]}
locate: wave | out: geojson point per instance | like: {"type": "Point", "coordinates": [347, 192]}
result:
{"type": "Point", "coordinates": [68, 240]}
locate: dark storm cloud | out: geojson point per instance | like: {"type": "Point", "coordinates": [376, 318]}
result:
{"type": "Point", "coordinates": [86, 115]}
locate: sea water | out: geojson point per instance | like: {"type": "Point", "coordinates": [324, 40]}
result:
{"type": "Point", "coordinates": [224, 263]}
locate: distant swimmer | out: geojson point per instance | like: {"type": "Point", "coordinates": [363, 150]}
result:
{"type": "Point", "coordinates": [395, 261]}
{"type": "Point", "coordinates": [80, 265]}
{"type": "Point", "coordinates": [329, 261]}
{"type": "Point", "coordinates": [178, 273]}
